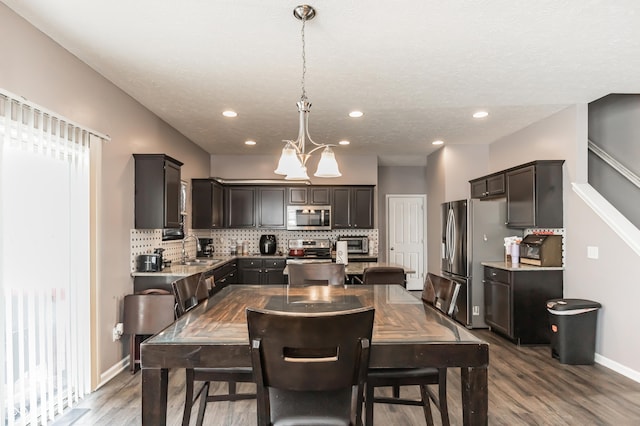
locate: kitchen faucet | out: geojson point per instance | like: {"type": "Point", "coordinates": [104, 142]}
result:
{"type": "Point", "coordinates": [184, 251]}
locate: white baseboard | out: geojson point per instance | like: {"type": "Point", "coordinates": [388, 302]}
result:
{"type": "Point", "coordinates": [618, 368]}
{"type": "Point", "coordinates": [113, 371]}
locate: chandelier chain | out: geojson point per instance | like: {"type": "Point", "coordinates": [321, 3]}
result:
{"type": "Point", "coordinates": [304, 62]}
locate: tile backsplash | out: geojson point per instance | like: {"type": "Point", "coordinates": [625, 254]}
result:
{"type": "Point", "coordinates": [144, 241]}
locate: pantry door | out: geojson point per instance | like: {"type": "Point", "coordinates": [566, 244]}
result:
{"type": "Point", "coordinates": [406, 235]}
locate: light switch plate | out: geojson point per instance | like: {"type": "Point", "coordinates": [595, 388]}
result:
{"type": "Point", "coordinates": [592, 252]}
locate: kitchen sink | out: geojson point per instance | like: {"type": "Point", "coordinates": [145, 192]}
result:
{"type": "Point", "coordinates": [201, 262]}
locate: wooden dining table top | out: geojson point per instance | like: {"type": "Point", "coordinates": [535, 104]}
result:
{"type": "Point", "coordinates": [407, 333]}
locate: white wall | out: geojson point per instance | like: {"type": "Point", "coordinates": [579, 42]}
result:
{"type": "Point", "coordinates": [40, 70]}
{"type": "Point", "coordinates": [609, 279]}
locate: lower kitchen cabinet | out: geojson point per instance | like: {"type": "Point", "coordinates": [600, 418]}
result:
{"type": "Point", "coordinates": [261, 271]}
{"type": "Point", "coordinates": [226, 274]}
{"type": "Point", "coordinates": [515, 302]}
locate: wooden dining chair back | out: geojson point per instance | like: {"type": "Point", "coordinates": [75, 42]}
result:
{"type": "Point", "coordinates": [441, 293]}
{"type": "Point", "coordinates": [189, 292]}
{"type": "Point", "coordinates": [145, 315]}
{"type": "Point", "coordinates": [383, 275]}
{"type": "Point", "coordinates": [306, 274]}
{"type": "Point", "coordinates": [310, 368]}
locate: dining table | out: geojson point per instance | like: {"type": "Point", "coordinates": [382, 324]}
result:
{"type": "Point", "coordinates": [407, 333]}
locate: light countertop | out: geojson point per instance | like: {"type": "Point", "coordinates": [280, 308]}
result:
{"type": "Point", "coordinates": [508, 266]}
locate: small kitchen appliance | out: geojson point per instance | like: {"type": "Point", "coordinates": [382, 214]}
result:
{"type": "Point", "coordinates": [268, 244]}
{"type": "Point", "coordinates": [541, 250]}
{"type": "Point", "coordinates": [206, 247]}
{"type": "Point", "coordinates": [149, 262]}
{"type": "Point", "coordinates": [356, 245]}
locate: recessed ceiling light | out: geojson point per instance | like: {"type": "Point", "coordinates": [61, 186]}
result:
{"type": "Point", "coordinates": [249, 142]}
{"type": "Point", "coordinates": [344, 142]}
{"type": "Point", "coordinates": [356, 114]}
{"type": "Point", "coordinates": [480, 114]}
{"type": "Point", "coordinates": [438, 142]}
{"type": "Point", "coordinates": [230, 113]}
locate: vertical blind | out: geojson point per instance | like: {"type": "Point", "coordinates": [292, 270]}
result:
{"type": "Point", "coordinates": [44, 263]}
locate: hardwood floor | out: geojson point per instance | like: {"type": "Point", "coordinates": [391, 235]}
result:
{"type": "Point", "coordinates": [526, 387]}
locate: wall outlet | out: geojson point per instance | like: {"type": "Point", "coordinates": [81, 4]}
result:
{"type": "Point", "coordinates": [592, 252]}
{"type": "Point", "coordinates": [117, 331]}
{"type": "Point", "coordinates": [476, 310]}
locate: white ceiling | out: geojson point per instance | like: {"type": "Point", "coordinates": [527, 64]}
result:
{"type": "Point", "coordinates": [417, 68]}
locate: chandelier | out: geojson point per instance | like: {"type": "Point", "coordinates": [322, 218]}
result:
{"type": "Point", "coordinates": [294, 157]}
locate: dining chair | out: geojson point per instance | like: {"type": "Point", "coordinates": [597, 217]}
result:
{"type": "Point", "coordinates": [310, 368]}
{"type": "Point", "coordinates": [383, 275]}
{"type": "Point", "coordinates": [190, 291]}
{"type": "Point", "coordinates": [145, 314]}
{"type": "Point", "coordinates": [441, 293]}
{"type": "Point", "coordinates": [306, 274]}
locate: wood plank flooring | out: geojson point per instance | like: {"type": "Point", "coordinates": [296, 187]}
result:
{"type": "Point", "coordinates": [526, 387]}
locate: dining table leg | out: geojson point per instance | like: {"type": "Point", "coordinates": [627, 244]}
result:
{"type": "Point", "coordinates": [475, 396]}
{"type": "Point", "coordinates": [154, 396]}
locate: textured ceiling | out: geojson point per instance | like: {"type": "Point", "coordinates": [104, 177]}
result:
{"type": "Point", "coordinates": [417, 68]}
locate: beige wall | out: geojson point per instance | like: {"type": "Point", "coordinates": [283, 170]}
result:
{"type": "Point", "coordinates": [448, 173]}
{"type": "Point", "coordinates": [41, 71]}
{"type": "Point", "coordinates": [608, 280]}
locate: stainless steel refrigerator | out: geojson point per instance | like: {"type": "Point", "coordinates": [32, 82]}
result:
{"type": "Point", "coordinates": [473, 231]}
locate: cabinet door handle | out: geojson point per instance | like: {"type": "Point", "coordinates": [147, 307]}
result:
{"type": "Point", "coordinates": [493, 274]}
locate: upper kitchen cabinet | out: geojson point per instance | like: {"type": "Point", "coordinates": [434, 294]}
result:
{"type": "Point", "coordinates": [157, 191]}
{"type": "Point", "coordinates": [207, 204]}
{"type": "Point", "coordinates": [240, 206]}
{"type": "Point", "coordinates": [310, 196]}
{"type": "Point", "coordinates": [492, 186]}
{"type": "Point", "coordinates": [352, 207]}
{"type": "Point", "coordinates": [534, 195]}
{"type": "Point", "coordinates": [272, 205]}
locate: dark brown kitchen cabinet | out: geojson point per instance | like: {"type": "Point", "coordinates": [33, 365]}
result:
{"type": "Point", "coordinates": [207, 204]}
{"type": "Point", "coordinates": [226, 274]}
{"type": "Point", "coordinates": [261, 271]}
{"type": "Point", "coordinates": [157, 192]}
{"type": "Point", "coordinates": [240, 206]}
{"type": "Point", "coordinates": [352, 207]}
{"type": "Point", "coordinates": [492, 186]}
{"type": "Point", "coordinates": [534, 195]}
{"type": "Point", "coordinates": [310, 196]}
{"type": "Point", "coordinates": [272, 204]}
{"type": "Point", "coordinates": [515, 302]}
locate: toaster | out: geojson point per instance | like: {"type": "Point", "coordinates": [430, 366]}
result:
{"type": "Point", "coordinates": [149, 262]}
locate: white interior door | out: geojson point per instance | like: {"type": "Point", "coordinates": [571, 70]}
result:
{"type": "Point", "coordinates": [406, 235]}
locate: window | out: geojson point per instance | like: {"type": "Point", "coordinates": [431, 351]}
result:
{"type": "Point", "coordinates": [45, 277]}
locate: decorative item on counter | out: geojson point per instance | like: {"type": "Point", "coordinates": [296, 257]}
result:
{"type": "Point", "coordinates": [509, 242]}
{"type": "Point", "coordinates": [515, 254]}
{"type": "Point", "coordinates": [245, 248]}
{"type": "Point", "coordinates": [342, 255]}
{"type": "Point", "coordinates": [239, 246]}
{"type": "Point", "coordinates": [233, 247]}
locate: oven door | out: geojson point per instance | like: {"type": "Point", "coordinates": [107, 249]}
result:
{"type": "Point", "coordinates": [308, 217]}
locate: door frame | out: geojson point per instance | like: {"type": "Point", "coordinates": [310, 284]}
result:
{"type": "Point", "coordinates": [423, 197]}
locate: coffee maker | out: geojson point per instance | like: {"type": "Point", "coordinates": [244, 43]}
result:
{"type": "Point", "coordinates": [206, 245]}
{"type": "Point", "coordinates": [268, 244]}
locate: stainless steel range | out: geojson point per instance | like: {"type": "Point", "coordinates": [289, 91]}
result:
{"type": "Point", "coordinates": [309, 251]}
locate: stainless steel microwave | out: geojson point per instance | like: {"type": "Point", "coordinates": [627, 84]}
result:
{"type": "Point", "coordinates": [356, 245]}
{"type": "Point", "coordinates": [308, 218]}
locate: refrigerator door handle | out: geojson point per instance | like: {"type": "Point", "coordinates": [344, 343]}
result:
{"type": "Point", "coordinates": [452, 236]}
